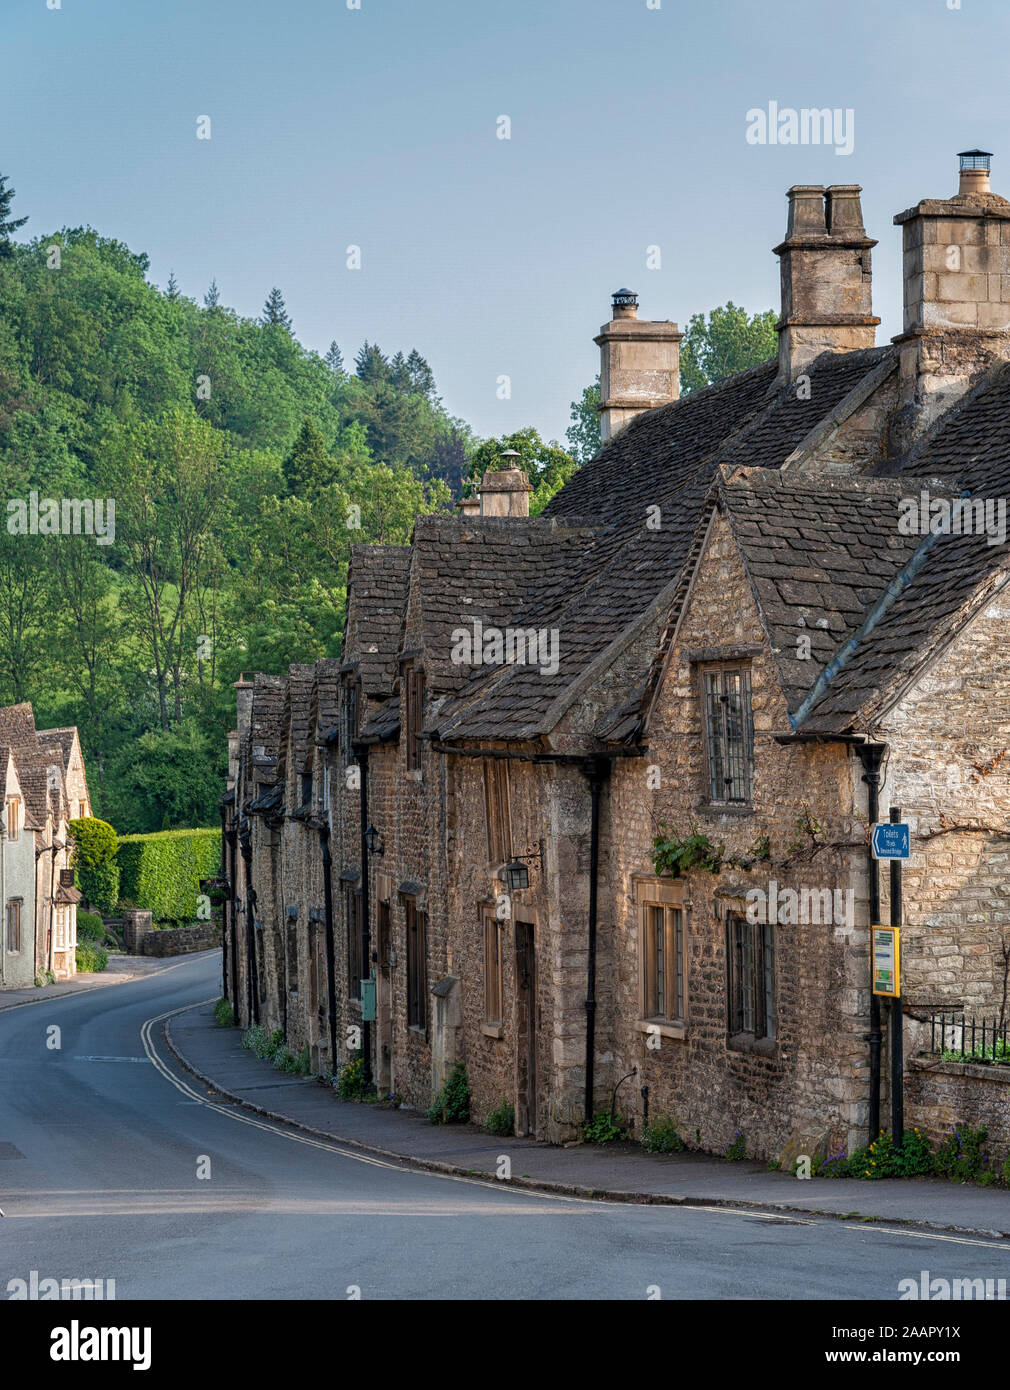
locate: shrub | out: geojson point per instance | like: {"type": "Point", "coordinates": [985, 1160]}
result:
{"type": "Point", "coordinates": [94, 861]}
{"type": "Point", "coordinates": [961, 1157]}
{"type": "Point", "coordinates": [660, 1137]}
{"type": "Point", "coordinates": [501, 1121]}
{"type": "Point", "coordinates": [90, 927]}
{"type": "Point", "coordinates": [91, 959]}
{"type": "Point", "coordinates": [224, 1013]}
{"type": "Point", "coordinates": [263, 1044]}
{"type": "Point", "coordinates": [737, 1147]}
{"type": "Point", "coordinates": [350, 1083]}
{"type": "Point", "coordinates": [296, 1064]}
{"type": "Point", "coordinates": [44, 977]}
{"type": "Point", "coordinates": [452, 1104]}
{"type": "Point", "coordinates": [602, 1129]}
{"type": "Point", "coordinates": [162, 872]}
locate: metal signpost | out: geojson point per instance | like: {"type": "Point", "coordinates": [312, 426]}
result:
{"type": "Point", "coordinates": [892, 841]}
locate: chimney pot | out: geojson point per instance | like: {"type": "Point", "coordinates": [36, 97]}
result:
{"type": "Point", "coordinates": [974, 169]}
{"type": "Point", "coordinates": [625, 304]}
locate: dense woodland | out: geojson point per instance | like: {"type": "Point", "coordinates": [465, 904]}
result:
{"type": "Point", "coordinates": [242, 466]}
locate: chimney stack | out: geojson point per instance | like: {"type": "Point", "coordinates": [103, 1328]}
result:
{"type": "Point", "coordinates": [827, 303]}
{"type": "Point", "coordinates": [506, 491]}
{"type": "Point", "coordinates": [956, 295]}
{"type": "Point", "coordinates": [639, 364]}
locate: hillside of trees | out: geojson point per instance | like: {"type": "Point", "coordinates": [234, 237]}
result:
{"type": "Point", "coordinates": [242, 467]}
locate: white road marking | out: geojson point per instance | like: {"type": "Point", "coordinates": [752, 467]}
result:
{"type": "Point", "coordinates": [232, 1113]}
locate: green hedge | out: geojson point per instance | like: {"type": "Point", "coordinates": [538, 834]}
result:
{"type": "Point", "coordinates": [91, 959]}
{"type": "Point", "coordinates": [162, 872]}
{"type": "Point", "coordinates": [90, 927]}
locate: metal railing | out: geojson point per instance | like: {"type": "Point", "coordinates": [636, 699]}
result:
{"type": "Point", "coordinates": [956, 1037]}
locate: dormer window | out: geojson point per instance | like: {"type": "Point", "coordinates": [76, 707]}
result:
{"type": "Point", "coordinates": [306, 788]}
{"type": "Point", "coordinates": [729, 729]}
{"type": "Point", "coordinates": [414, 680]}
{"type": "Point", "coordinates": [13, 817]}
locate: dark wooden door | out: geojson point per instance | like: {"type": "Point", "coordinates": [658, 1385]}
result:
{"type": "Point", "coordinates": [526, 1030]}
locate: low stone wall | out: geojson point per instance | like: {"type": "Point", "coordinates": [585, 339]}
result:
{"type": "Point", "coordinates": [140, 938]}
{"type": "Point", "coordinates": [940, 1094]}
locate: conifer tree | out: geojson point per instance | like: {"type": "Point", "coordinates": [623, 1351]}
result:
{"type": "Point", "coordinates": [309, 466]}
{"type": "Point", "coordinates": [8, 224]}
{"type": "Point", "coordinates": [275, 312]}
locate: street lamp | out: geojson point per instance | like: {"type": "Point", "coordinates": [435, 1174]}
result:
{"type": "Point", "coordinates": [517, 877]}
{"type": "Point", "coordinates": [374, 841]}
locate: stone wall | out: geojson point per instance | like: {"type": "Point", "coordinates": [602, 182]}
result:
{"type": "Point", "coordinates": [939, 1095]}
{"type": "Point", "coordinates": [139, 939]}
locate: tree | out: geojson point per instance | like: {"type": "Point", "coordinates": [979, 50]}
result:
{"type": "Point", "coordinates": [213, 297]}
{"type": "Point", "coordinates": [727, 342]}
{"type": "Point", "coordinates": [547, 466]}
{"type": "Point", "coordinates": [172, 289]}
{"type": "Point", "coordinates": [335, 359]}
{"type": "Point", "coordinates": [583, 434]}
{"type": "Point", "coordinates": [274, 312]}
{"type": "Point", "coordinates": [8, 224]}
{"type": "Point", "coordinates": [370, 365]}
{"type": "Point", "coordinates": [309, 466]}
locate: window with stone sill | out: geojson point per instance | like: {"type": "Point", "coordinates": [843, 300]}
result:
{"type": "Point", "coordinates": [663, 952]}
{"type": "Point", "coordinates": [751, 984]}
{"type": "Point", "coordinates": [417, 965]}
{"type": "Point", "coordinates": [14, 925]}
{"type": "Point", "coordinates": [414, 681]}
{"type": "Point", "coordinates": [729, 733]}
{"type": "Point", "coordinates": [492, 969]}
{"type": "Point", "coordinates": [497, 810]}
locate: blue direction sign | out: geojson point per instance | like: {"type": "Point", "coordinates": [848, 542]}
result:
{"type": "Point", "coordinates": [891, 841]}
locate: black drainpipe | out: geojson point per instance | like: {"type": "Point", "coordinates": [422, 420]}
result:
{"type": "Point", "coordinates": [361, 753]}
{"type": "Point", "coordinates": [871, 755]}
{"type": "Point", "coordinates": [233, 905]}
{"type": "Point", "coordinates": [224, 905]}
{"type": "Point", "coordinates": [253, 991]}
{"type": "Point", "coordinates": [331, 983]}
{"type": "Point", "coordinates": [597, 770]}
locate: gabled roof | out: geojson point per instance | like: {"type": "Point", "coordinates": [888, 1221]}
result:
{"type": "Point", "coordinates": [649, 488]}
{"type": "Point", "coordinates": [296, 732]}
{"type": "Point", "coordinates": [819, 552]}
{"type": "Point", "coordinates": [376, 596]}
{"type": "Point", "coordinates": [265, 722]}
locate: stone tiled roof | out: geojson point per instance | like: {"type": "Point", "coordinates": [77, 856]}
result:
{"type": "Point", "coordinates": [958, 574]}
{"type": "Point", "coordinates": [40, 760]}
{"type": "Point", "coordinates": [64, 737]}
{"type": "Point", "coordinates": [819, 552]}
{"type": "Point", "coordinates": [377, 593]}
{"type": "Point", "coordinates": [324, 704]}
{"type": "Point", "coordinates": [296, 733]}
{"type": "Point", "coordinates": [488, 569]}
{"type": "Point", "coordinates": [265, 723]}
{"type": "Point", "coordinates": [664, 460]}
{"type": "Point", "coordinates": [969, 445]}
{"type": "Point", "coordinates": [383, 723]}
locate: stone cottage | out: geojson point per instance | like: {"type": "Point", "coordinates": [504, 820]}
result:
{"type": "Point", "coordinates": [586, 802]}
{"type": "Point", "coordinates": [45, 788]}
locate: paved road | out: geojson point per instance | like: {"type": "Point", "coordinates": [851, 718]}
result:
{"type": "Point", "coordinates": [101, 1142]}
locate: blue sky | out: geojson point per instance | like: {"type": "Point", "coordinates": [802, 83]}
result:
{"type": "Point", "coordinates": [377, 127]}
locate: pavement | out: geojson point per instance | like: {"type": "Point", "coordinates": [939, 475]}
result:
{"type": "Point", "coordinates": [116, 1165]}
{"type": "Point", "coordinates": [619, 1171]}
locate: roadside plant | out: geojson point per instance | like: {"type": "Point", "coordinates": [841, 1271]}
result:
{"type": "Point", "coordinates": [224, 1013]}
{"type": "Point", "coordinates": [91, 959]}
{"type": "Point", "coordinates": [452, 1104]}
{"type": "Point", "coordinates": [501, 1121]}
{"type": "Point", "coordinates": [261, 1043]}
{"type": "Point", "coordinates": [961, 1157]}
{"type": "Point", "coordinates": [737, 1147]}
{"type": "Point", "coordinates": [660, 1137]}
{"type": "Point", "coordinates": [350, 1084]}
{"type": "Point", "coordinates": [604, 1128]}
